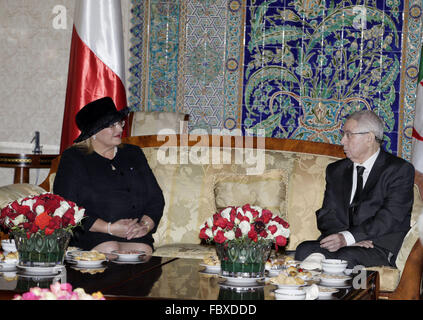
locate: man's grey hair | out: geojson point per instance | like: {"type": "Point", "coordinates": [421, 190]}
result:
{"type": "Point", "coordinates": [368, 120]}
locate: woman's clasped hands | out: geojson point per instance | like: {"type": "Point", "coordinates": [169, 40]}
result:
{"type": "Point", "coordinates": [131, 228]}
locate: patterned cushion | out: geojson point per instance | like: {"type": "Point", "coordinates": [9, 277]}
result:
{"type": "Point", "coordinates": [186, 187]}
{"type": "Point", "coordinates": [182, 189]}
{"type": "Point", "coordinates": [268, 190]}
{"type": "Point", "coordinates": [51, 181]}
{"type": "Point", "coordinates": [388, 277]}
{"type": "Point", "coordinates": [417, 206]}
{"type": "Point", "coordinates": [151, 122]}
{"type": "Point", "coordinates": [305, 196]}
{"type": "Point", "coordinates": [420, 227]}
{"type": "Point", "coordinates": [16, 191]}
{"type": "Point", "coordinates": [413, 234]}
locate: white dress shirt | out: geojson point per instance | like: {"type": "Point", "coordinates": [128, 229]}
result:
{"type": "Point", "coordinates": [368, 165]}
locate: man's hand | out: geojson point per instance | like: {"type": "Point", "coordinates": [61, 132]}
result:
{"type": "Point", "coordinates": [365, 244]}
{"type": "Point", "coordinates": [333, 242]}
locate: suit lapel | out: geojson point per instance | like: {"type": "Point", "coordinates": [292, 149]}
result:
{"type": "Point", "coordinates": [375, 172]}
{"type": "Point", "coordinates": [348, 175]}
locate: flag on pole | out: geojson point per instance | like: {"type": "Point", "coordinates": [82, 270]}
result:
{"type": "Point", "coordinates": [417, 151]}
{"type": "Point", "coordinates": [96, 62]}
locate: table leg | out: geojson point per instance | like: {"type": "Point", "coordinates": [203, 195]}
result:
{"type": "Point", "coordinates": [21, 175]}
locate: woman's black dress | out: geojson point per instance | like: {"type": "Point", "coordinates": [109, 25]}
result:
{"type": "Point", "coordinates": [124, 187]}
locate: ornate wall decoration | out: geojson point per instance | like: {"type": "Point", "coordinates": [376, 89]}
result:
{"type": "Point", "coordinates": [293, 68]}
{"type": "Point", "coordinates": [308, 64]}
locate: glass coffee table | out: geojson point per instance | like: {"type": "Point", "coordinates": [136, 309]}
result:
{"type": "Point", "coordinates": [164, 278]}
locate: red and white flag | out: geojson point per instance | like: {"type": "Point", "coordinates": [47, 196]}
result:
{"type": "Point", "coordinates": [417, 151]}
{"type": "Point", "coordinates": [96, 63]}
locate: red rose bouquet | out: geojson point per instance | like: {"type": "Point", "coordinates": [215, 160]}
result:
{"type": "Point", "coordinates": [42, 214]}
{"type": "Point", "coordinates": [246, 223]}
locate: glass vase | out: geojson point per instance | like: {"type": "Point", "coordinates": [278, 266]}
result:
{"type": "Point", "coordinates": [40, 250]}
{"type": "Point", "coordinates": [243, 259]}
{"type": "Point", "coordinates": [241, 293]}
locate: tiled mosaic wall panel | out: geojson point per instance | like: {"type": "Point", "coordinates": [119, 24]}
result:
{"type": "Point", "coordinates": [294, 69]}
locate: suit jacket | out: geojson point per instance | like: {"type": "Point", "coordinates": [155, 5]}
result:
{"type": "Point", "coordinates": [384, 212]}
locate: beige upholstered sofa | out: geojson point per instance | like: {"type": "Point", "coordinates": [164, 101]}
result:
{"type": "Point", "coordinates": [200, 174]}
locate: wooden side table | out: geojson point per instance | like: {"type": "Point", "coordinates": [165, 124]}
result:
{"type": "Point", "coordinates": [23, 162]}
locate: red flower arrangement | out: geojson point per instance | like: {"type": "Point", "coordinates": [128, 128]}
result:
{"type": "Point", "coordinates": [42, 213]}
{"type": "Point", "coordinates": [246, 223]}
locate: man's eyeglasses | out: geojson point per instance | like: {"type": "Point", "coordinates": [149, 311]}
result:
{"type": "Point", "coordinates": [349, 134]}
{"type": "Point", "coordinates": [119, 123]}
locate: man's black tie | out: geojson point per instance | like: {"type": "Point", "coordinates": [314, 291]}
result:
{"type": "Point", "coordinates": [356, 200]}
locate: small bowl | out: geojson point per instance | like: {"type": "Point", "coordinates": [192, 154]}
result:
{"type": "Point", "coordinates": [326, 292]}
{"type": "Point", "coordinates": [8, 245]}
{"type": "Point", "coordinates": [334, 265]}
{"type": "Point", "coordinates": [128, 255]}
{"type": "Point", "coordinates": [290, 294]}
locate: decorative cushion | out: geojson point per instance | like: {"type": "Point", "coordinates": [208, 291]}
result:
{"type": "Point", "coordinates": [182, 189]}
{"type": "Point", "coordinates": [268, 190]}
{"type": "Point", "coordinates": [187, 188]}
{"type": "Point", "coordinates": [420, 227]}
{"type": "Point", "coordinates": [51, 181]}
{"type": "Point", "coordinates": [151, 122]}
{"type": "Point", "coordinates": [417, 206]}
{"type": "Point", "coordinates": [305, 196]}
{"type": "Point", "coordinates": [16, 191]}
{"type": "Point", "coordinates": [412, 235]}
{"type": "Point", "coordinates": [389, 277]}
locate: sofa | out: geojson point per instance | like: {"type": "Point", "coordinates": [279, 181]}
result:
{"type": "Point", "coordinates": [199, 174]}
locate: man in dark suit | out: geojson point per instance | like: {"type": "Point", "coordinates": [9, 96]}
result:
{"type": "Point", "coordinates": [367, 202]}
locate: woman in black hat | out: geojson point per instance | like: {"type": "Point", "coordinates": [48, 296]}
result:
{"type": "Point", "coordinates": [112, 181]}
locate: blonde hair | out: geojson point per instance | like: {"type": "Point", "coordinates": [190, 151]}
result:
{"type": "Point", "coordinates": [85, 146]}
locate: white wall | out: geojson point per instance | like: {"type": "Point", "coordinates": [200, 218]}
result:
{"type": "Point", "coordinates": [34, 55]}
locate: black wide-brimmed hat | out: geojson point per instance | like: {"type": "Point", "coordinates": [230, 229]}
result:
{"type": "Point", "coordinates": [96, 116]}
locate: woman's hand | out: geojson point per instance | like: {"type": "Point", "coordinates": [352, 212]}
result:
{"type": "Point", "coordinates": [121, 227]}
{"type": "Point", "coordinates": [140, 229]}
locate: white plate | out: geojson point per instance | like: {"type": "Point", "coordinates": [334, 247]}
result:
{"type": "Point", "coordinates": [8, 266]}
{"type": "Point", "coordinates": [327, 293]}
{"type": "Point", "coordinates": [88, 263]}
{"type": "Point", "coordinates": [274, 272]}
{"type": "Point", "coordinates": [128, 256]}
{"type": "Point", "coordinates": [306, 278]}
{"type": "Point", "coordinates": [128, 262]}
{"type": "Point", "coordinates": [291, 294]}
{"type": "Point", "coordinates": [334, 280]}
{"type": "Point", "coordinates": [239, 281]}
{"type": "Point", "coordinates": [211, 274]}
{"type": "Point", "coordinates": [290, 286]}
{"type": "Point", "coordinates": [70, 251]}
{"type": "Point", "coordinates": [40, 270]}
{"type": "Point", "coordinates": [210, 268]}
{"type": "Point", "coordinates": [38, 277]}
